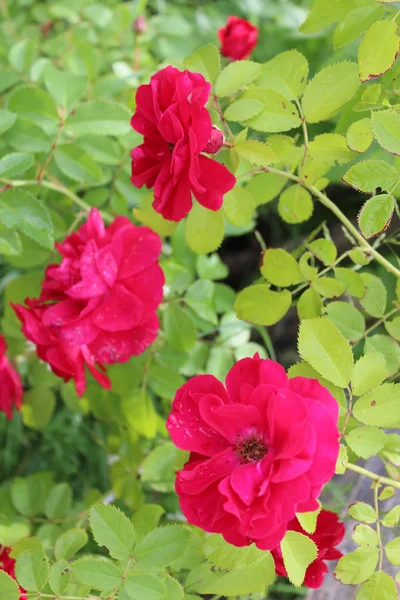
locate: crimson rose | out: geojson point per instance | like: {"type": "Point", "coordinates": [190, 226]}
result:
{"type": "Point", "coordinates": [171, 114]}
{"type": "Point", "coordinates": [261, 450]}
{"type": "Point", "coordinates": [7, 564]}
{"type": "Point", "coordinates": [99, 305]}
{"type": "Point", "coordinates": [10, 383]}
{"type": "Point", "coordinates": [328, 534]}
{"type": "Point", "coordinates": [238, 38]}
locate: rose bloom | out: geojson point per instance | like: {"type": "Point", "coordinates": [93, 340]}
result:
{"type": "Point", "coordinates": [328, 534]}
{"type": "Point", "coordinates": [7, 564]}
{"type": "Point", "coordinates": [261, 449]}
{"type": "Point", "coordinates": [99, 305]}
{"type": "Point", "coordinates": [10, 383]}
{"type": "Point", "coordinates": [171, 115]}
{"type": "Point", "coordinates": [238, 38]}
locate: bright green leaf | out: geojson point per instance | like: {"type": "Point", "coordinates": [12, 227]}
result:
{"type": "Point", "coordinates": [7, 119]}
{"type": "Point", "coordinates": [330, 148]}
{"type": "Point", "coordinates": [97, 573]}
{"type": "Point", "coordinates": [376, 214]}
{"type": "Point", "coordinates": [347, 319]}
{"type": "Point", "coordinates": [380, 407]}
{"type": "Point", "coordinates": [369, 371]}
{"type": "Point", "coordinates": [355, 23]}
{"type": "Point", "coordinates": [368, 175]}
{"type": "Point", "coordinates": [280, 268]}
{"type": "Point", "coordinates": [310, 304]}
{"type": "Point", "coordinates": [66, 88]}
{"type": "Point", "coordinates": [69, 543]}
{"type": "Point", "coordinates": [286, 74]}
{"type": "Point", "coordinates": [161, 547]}
{"type": "Point", "coordinates": [239, 206]}
{"type": "Point", "coordinates": [357, 566]}
{"type": "Point", "coordinates": [366, 441]}
{"type": "Point", "coordinates": [378, 49]}
{"type": "Point", "coordinates": [259, 305]}
{"type": "Point", "coordinates": [360, 136]}
{"type": "Point", "coordinates": [298, 552]}
{"type": "Point", "coordinates": [21, 211]}
{"type": "Point", "coordinates": [179, 328]}
{"type": "Point", "coordinates": [374, 300]}
{"type": "Point", "coordinates": [236, 76]}
{"type": "Point", "coordinates": [59, 501]}
{"type": "Point", "coordinates": [202, 219]}
{"type": "Point", "coordinates": [278, 114]}
{"type": "Point", "coordinates": [14, 164]}
{"type": "Point", "coordinates": [99, 117]}
{"type": "Point", "coordinates": [380, 586]}
{"type": "Point", "coordinates": [59, 576]}
{"type": "Point", "coordinates": [9, 589]}
{"type": "Point", "coordinates": [364, 535]}
{"type": "Point", "coordinates": [139, 584]}
{"type": "Point", "coordinates": [243, 109]}
{"type": "Point", "coordinates": [295, 204]}
{"type": "Point", "coordinates": [351, 281]}
{"type": "Point", "coordinates": [38, 407]}
{"type": "Point", "coordinates": [31, 569]}
{"type": "Point", "coordinates": [206, 61]}
{"type": "Point", "coordinates": [386, 346]}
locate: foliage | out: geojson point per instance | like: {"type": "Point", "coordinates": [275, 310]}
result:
{"type": "Point", "coordinates": [87, 500]}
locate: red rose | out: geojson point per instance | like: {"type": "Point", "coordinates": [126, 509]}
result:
{"type": "Point", "coordinates": [238, 38]}
{"type": "Point", "coordinates": [99, 305]}
{"type": "Point", "coordinates": [10, 383]}
{"type": "Point", "coordinates": [7, 564]}
{"type": "Point", "coordinates": [261, 450]}
{"type": "Point", "coordinates": [328, 534]}
{"type": "Point", "coordinates": [171, 115]}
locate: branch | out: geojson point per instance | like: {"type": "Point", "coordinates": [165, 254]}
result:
{"type": "Point", "coordinates": [373, 476]}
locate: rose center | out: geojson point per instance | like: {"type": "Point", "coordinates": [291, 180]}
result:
{"type": "Point", "coordinates": [251, 450]}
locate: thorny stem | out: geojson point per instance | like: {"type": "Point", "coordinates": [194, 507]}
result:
{"type": "Point", "coordinates": [378, 525]}
{"type": "Point", "coordinates": [323, 198]}
{"type": "Point", "coordinates": [57, 188]}
{"type": "Point", "coordinates": [305, 132]}
{"type": "Point", "coordinates": [50, 154]}
{"type": "Point", "coordinates": [221, 116]}
{"type": "Point", "coordinates": [373, 476]}
{"type": "Point", "coordinates": [323, 272]}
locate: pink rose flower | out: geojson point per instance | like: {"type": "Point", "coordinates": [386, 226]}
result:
{"type": "Point", "coordinates": [10, 383]}
{"type": "Point", "coordinates": [171, 115]}
{"type": "Point", "coordinates": [238, 38]}
{"type": "Point", "coordinates": [261, 449]}
{"type": "Point", "coordinates": [99, 305]}
{"type": "Point", "coordinates": [328, 534]}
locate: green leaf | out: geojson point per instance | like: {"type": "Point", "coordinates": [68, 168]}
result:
{"type": "Point", "coordinates": [10, 242]}
{"type": "Point", "coordinates": [7, 119]}
{"type": "Point", "coordinates": [286, 74]}
{"type": "Point", "coordinates": [99, 117]}
{"type": "Point", "coordinates": [256, 153]}
{"type": "Point", "coordinates": [357, 566]}
{"type": "Point", "coordinates": [59, 501]}
{"type": "Point", "coordinates": [140, 585]}
{"type": "Point", "coordinates": [174, 589]}
{"type": "Point", "coordinates": [376, 214]}
{"type": "Point", "coordinates": [38, 407]}
{"type": "Point", "coordinates": [112, 529]}
{"type": "Point", "coordinates": [366, 441]}
{"type": "Point", "coordinates": [236, 76]}
{"type": "Point", "coordinates": [265, 187]}
{"type": "Point", "coordinates": [328, 287]}
{"type": "Point", "coordinates": [324, 250]}
{"type": "Point", "coordinates": [362, 512]}
{"type": "Point", "coordinates": [298, 552]}
{"type": "Point", "coordinates": [308, 520]}
{"type": "Point", "coordinates": [15, 163]}
{"type": "Point", "coordinates": [325, 13]}
{"type": "Point", "coordinates": [35, 105]}
{"type": "Point", "coordinates": [69, 543]}
{"type": "Point", "coordinates": [223, 555]}
{"type": "Point", "coordinates": [369, 371]}
{"type": "Point", "coordinates": [22, 55]}
{"type": "Point", "coordinates": [159, 466]}
{"type": "Point", "coordinates": [28, 494]}
{"type": "Point", "coordinates": [368, 175]}
{"type": "Point", "coordinates": [27, 137]}
{"type": "Point", "coordinates": [386, 346]}
{"type": "Point", "coordinates": [206, 61]}
{"type": "Point", "coordinates": [351, 281]}
{"type": "Point", "coordinates": [239, 206]}
{"type": "Point", "coordinates": [259, 305]}
{"type": "Point", "coordinates": [179, 328]}
{"type": "Point", "coordinates": [211, 267]}
{"type": "Point", "coordinates": [243, 109]}
{"type": "Point", "coordinates": [330, 148]}
{"type": "Point", "coordinates": [146, 518]}
{"type": "Point", "coordinates": [98, 573]}
{"type": "Point", "coordinates": [199, 220]}
{"type": "Point", "coordinates": [32, 569]}
{"type": "Point", "coordinates": [393, 328]}
{"type": "Point", "coordinates": [139, 413]}
{"type": "Point", "coordinates": [374, 300]}
{"type": "Point", "coordinates": [66, 88]}
{"type": "Point", "coordinates": [378, 49]}
{"type": "Point", "coordinates": [146, 214]}
{"type": "Point", "coordinates": [21, 211]}
{"type": "Point", "coordinates": [342, 461]}
{"type": "Point", "coordinates": [329, 90]}
{"type": "Point", "coordinates": [77, 164]}
{"type": "Point", "coordinates": [280, 268]}
{"type": "Point", "coordinates": [9, 589]}
{"type": "Point", "coordinates": [59, 576]}
{"type": "Point", "coordinates": [360, 136]}
{"type": "Point", "coordinates": [278, 114]}
{"type": "Point", "coordinates": [295, 204]}
{"type": "Point", "coordinates": [355, 23]}
{"type": "Point", "coordinates": [380, 586]}
{"type": "Point", "coordinates": [347, 319]}
{"type": "Point", "coordinates": [392, 550]}
{"type": "Point", "coordinates": [255, 577]}
{"type": "Point", "coordinates": [364, 535]}
{"type": "Point", "coordinates": [310, 304]}
{"type": "Point", "coordinates": [380, 407]}
{"type": "Point", "coordinates": [161, 547]}
{"type": "Point", "coordinates": [392, 517]}
{"type": "Point", "coordinates": [323, 346]}
{"type": "Point", "coordinates": [386, 129]}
